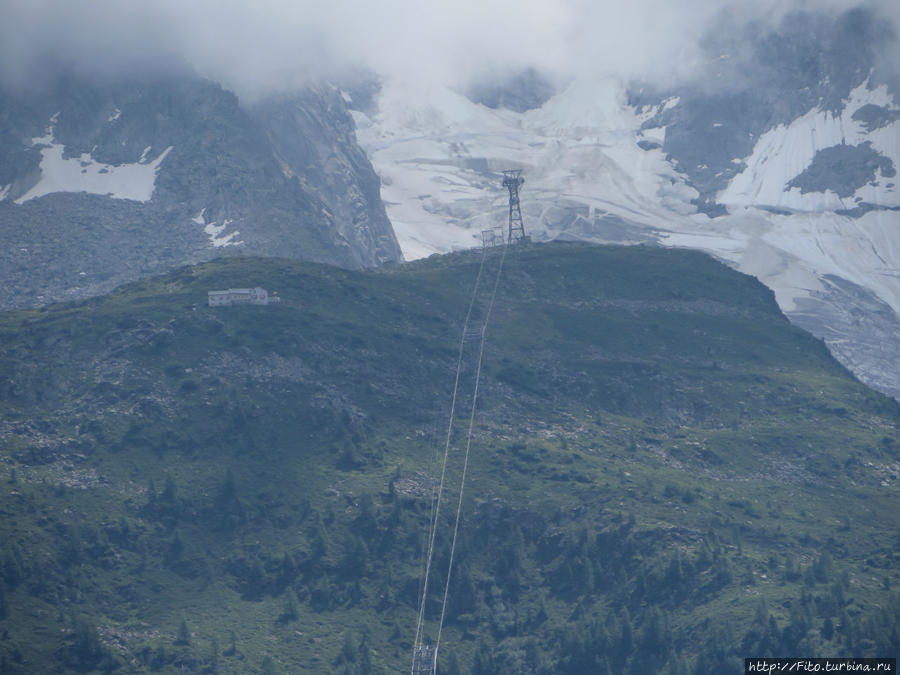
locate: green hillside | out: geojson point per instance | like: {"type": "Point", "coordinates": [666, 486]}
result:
{"type": "Point", "coordinates": [665, 475]}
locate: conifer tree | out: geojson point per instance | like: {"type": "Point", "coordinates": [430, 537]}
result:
{"type": "Point", "coordinates": [184, 635]}
{"type": "Point", "coordinates": [214, 654]}
{"type": "Point", "coordinates": [290, 612]}
{"type": "Point", "coordinates": [268, 666]}
{"type": "Point", "coordinates": [168, 493]}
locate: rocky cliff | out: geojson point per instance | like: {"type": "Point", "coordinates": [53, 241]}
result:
{"type": "Point", "coordinates": [106, 181]}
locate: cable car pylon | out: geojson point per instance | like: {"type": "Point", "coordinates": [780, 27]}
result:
{"type": "Point", "coordinates": [512, 181]}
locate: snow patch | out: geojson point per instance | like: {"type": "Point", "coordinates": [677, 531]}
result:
{"type": "Point", "coordinates": [116, 114]}
{"type": "Point", "coordinates": [4, 191]}
{"type": "Point", "coordinates": [217, 236]}
{"type": "Point", "coordinates": [82, 174]}
{"type": "Point", "coordinates": [670, 103]}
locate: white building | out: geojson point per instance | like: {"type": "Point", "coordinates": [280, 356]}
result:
{"type": "Point", "coordinates": [241, 296]}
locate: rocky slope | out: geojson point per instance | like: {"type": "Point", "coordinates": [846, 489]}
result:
{"type": "Point", "coordinates": [107, 181]}
{"type": "Point", "coordinates": [665, 475]}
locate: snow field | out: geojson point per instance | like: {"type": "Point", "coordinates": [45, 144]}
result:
{"type": "Point", "coordinates": [82, 174]}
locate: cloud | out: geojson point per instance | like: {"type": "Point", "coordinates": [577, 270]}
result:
{"type": "Point", "coordinates": [266, 45]}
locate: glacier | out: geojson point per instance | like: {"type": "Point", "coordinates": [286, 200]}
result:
{"type": "Point", "coordinates": [438, 155]}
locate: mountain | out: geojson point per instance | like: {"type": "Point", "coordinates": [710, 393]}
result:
{"type": "Point", "coordinates": [104, 181]}
{"type": "Point", "coordinates": [665, 474]}
{"type": "Point", "coordinates": [780, 159]}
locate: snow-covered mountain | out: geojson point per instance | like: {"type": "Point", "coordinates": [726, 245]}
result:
{"type": "Point", "coordinates": [782, 161]}
{"type": "Point", "coordinates": [105, 181]}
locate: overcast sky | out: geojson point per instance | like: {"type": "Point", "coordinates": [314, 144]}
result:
{"type": "Point", "coordinates": [258, 46]}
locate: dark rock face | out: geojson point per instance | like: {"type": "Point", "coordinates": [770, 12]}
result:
{"type": "Point", "coordinates": [875, 117]}
{"type": "Point", "coordinates": [843, 169]}
{"type": "Point", "coordinates": [525, 90]}
{"type": "Point", "coordinates": [314, 136]}
{"type": "Point", "coordinates": [225, 186]}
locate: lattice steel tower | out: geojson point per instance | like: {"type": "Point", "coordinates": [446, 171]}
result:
{"type": "Point", "coordinates": [512, 179]}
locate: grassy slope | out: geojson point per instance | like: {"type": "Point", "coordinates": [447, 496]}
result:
{"type": "Point", "coordinates": [665, 473]}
